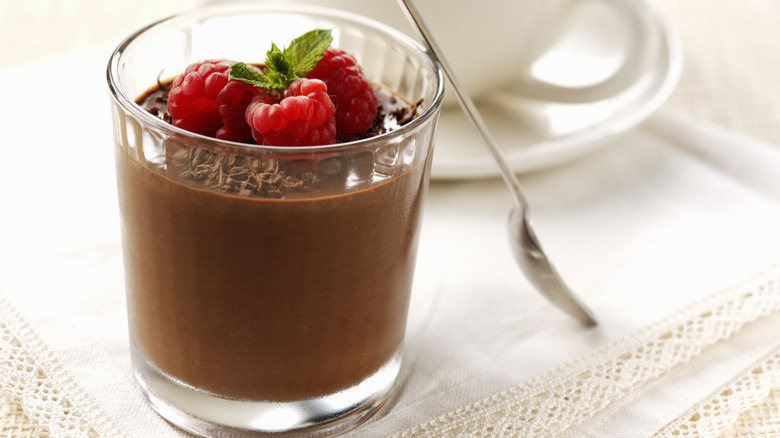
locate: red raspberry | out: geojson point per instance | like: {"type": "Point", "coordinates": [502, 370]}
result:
{"type": "Point", "coordinates": [204, 101]}
{"type": "Point", "coordinates": [304, 116]}
{"type": "Point", "coordinates": [233, 101]}
{"type": "Point", "coordinates": [353, 94]}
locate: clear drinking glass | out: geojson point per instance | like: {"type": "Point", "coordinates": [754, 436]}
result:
{"type": "Point", "coordinates": [268, 287]}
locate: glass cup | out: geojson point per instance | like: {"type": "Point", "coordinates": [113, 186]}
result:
{"type": "Point", "coordinates": [268, 287]}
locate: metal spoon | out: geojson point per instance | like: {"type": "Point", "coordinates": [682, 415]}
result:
{"type": "Point", "coordinates": [525, 246]}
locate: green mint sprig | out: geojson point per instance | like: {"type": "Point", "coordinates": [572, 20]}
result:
{"type": "Point", "coordinates": [284, 66]}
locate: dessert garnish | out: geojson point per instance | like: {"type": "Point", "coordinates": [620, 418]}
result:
{"type": "Point", "coordinates": [307, 94]}
{"type": "Point", "coordinates": [290, 109]}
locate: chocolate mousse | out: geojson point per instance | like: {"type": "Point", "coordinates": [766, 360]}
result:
{"type": "Point", "coordinates": [258, 278]}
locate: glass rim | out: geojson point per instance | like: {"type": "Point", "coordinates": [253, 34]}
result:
{"type": "Point", "coordinates": [129, 104]}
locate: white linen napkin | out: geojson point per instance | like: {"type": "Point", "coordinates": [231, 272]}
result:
{"type": "Point", "coordinates": [663, 217]}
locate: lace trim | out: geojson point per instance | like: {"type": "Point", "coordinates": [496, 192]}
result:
{"type": "Point", "coordinates": [571, 394]}
{"type": "Point", "coordinates": [36, 380]}
{"type": "Point", "coordinates": [13, 422]}
{"type": "Point", "coordinates": [748, 403]}
{"type": "Point", "coordinates": [761, 420]}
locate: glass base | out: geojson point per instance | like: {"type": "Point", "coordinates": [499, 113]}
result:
{"type": "Point", "coordinates": [209, 415]}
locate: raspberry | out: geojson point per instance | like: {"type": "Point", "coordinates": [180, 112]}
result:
{"type": "Point", "coordinates": [304, 116]}
{"type": "Point", "coordinates": [204, 101]}
{"type": "Point", "coordinates": [353, 94]}
{"type": "Point", "coordinates": [232, 102]}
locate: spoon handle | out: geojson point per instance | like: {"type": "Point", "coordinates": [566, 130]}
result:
{"type": "Point", "coordinates": [466, 103]}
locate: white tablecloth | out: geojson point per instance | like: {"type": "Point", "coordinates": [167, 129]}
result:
{"type": "Point", "coordinates": [667, 216]}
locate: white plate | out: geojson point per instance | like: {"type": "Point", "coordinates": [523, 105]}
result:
{"type": "Point", "coordinates": [535, 135]}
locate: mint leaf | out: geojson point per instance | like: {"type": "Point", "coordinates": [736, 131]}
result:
{"type": "Point", "coordinates": [244, 73]}
{"type": "Point", "coordinates": [279, 69]}
{"type": "Point", "coordinates": [284, 66]}
{"type": "Point", "coordinates": [305, 51]}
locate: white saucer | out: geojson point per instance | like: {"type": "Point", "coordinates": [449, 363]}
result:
{"type": "Point", "coordinates": [535, 135]}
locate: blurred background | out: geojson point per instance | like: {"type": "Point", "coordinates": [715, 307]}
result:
{"type": "Point", "coordinates": [730, 75]}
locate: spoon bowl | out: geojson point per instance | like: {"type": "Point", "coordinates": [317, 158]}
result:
{"type": "Point", "coordinates": [538, 269]}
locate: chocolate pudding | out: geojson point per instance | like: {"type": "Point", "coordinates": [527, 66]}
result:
{"type": "Point", "coordinates": [270, 287]}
